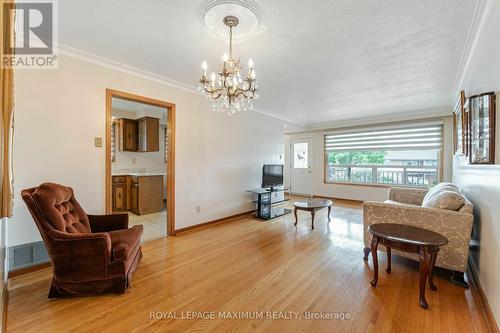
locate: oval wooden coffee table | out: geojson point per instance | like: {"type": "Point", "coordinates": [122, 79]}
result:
{"type": "Point", "coordinates": [312, 205]}
{"type": "Point", "coordinates": [411, 239]}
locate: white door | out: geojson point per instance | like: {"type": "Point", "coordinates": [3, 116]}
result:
{"type": "Point", "coordinates": [301, 176]}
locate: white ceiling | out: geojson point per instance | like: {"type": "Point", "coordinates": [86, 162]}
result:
{"type": "Point", "coordinates": [317, 60]}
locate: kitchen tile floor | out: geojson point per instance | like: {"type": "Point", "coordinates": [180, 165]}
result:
{"type": "Point", "coordinates": [155, 224]}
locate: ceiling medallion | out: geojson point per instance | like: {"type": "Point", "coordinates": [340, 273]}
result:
{"type": "Point", "coordinates": [227, 89]}
{"type": "Point", "coordinates": [212, 12]}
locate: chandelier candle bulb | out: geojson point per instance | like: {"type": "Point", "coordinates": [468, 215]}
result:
{"type": "Point", "coordinates": [204, 66]}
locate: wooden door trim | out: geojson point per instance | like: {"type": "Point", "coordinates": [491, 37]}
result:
{"type": "Point", "coordinates": [110, 93]}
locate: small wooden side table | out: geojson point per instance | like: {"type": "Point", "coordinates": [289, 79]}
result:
{"type": "Point", "coordinates": [410, 239]}
{"type": "Point", "coordinates": [312, 205]}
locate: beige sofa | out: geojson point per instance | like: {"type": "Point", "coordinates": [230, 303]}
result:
{"type": "Point", "coordinates": [404, 206]}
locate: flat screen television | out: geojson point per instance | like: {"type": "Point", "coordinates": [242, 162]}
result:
{"type": "Point", "coordinates": [272, 175]}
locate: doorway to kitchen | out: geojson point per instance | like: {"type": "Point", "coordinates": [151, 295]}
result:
{"type": "Point", "coordinates": [140, 161]}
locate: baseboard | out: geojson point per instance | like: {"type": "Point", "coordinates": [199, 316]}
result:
{"type": "Point", "coordinates": [221, 220]}
{"type": "Point", "coordinates": [27, 270]}
{"type": "Point", "coordinates": [485, 306]}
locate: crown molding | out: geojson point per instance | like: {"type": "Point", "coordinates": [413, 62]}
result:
{"type": "Point", "coordinates": [388, 118]}
{"type": "Point", "coordinates": [482, 11]}
{"type": "Point", "coordinates": [274, 115]}
{"type": "Point", "coordinates": [119, 66]}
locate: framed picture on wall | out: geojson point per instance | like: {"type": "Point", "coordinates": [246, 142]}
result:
{"type": "Point", "coordinates": [482, 128]}
{"type": "Point", "coordinates": [459, 142]}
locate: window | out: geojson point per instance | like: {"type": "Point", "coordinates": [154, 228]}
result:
{"type": "Point", "coordinates": [300, 155]}
{"type": "Point", "coordinates": [407, 156]}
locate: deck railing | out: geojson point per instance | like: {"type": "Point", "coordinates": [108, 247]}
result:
{"type": "Point", "coordinates": [407, 175]}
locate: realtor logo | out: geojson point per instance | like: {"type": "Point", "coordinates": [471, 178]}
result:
{"type": "Point", "coordinates": [35, 42]}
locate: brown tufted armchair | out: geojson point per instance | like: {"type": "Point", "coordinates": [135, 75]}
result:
{"type": "Point", "coordinates": [90, 254]}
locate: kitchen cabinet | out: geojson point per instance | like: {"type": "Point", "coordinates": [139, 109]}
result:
{"type": "Point", "coordinates": [148, 129]}
{"type": "Point", "coordinates": [128, 134]}
{"type": "Point", "coordinates": [119, 193]}
{"type": "Point", "coordinates": [137, 193]}
{"type": "Point", "coordinates": [139, 135]}
{"type": "Point", "coordinates": [146, 194]}
{"type": "Point", "coordinates": [134, 196]}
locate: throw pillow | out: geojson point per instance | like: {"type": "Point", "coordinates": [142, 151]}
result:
{"type": "Point", "coordinates": [449, 200]}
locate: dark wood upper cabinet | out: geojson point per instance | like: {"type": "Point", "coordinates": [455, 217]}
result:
{"type": "Point", "coordinates": [148, 134]}
{"type": "Point", "coordinates": [140, 135]}
{"type": "Point", "coordinates": [128, 134]}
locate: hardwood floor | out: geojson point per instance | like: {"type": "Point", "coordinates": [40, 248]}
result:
{"type": "Point", "coordinates": [250, 266]}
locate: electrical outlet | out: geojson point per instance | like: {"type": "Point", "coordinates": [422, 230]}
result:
{"type": "Point", "coordinates": [198, 209]}
{"type": "Point", "coordinates": [98, 142]}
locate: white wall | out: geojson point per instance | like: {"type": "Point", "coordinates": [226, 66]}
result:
{"type": "Point", "coordinates": [481, 184]}
{"type": "Point", "coordinates": [59, 112]}
{"type": "Point", "coordinates": [357, 192]}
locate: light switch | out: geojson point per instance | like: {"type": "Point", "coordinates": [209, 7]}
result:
{"type": "Point", "coordinates": [98, 142]}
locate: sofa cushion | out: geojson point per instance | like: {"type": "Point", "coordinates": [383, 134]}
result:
{"type": "Point", "coordinates": [125, 242]}
{"type": "Point", "coordinates": [440, 187]}
{"type": "Point", "coordinates": [446, 199]}
{"type": "Point", "coordinates": [399, 203]}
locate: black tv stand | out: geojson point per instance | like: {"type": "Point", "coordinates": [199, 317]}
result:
{"type": "Point", "coordinates": [265, 209]}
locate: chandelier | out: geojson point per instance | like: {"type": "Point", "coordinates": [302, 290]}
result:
{"type": "Point", "coordinates": [228, 90]}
